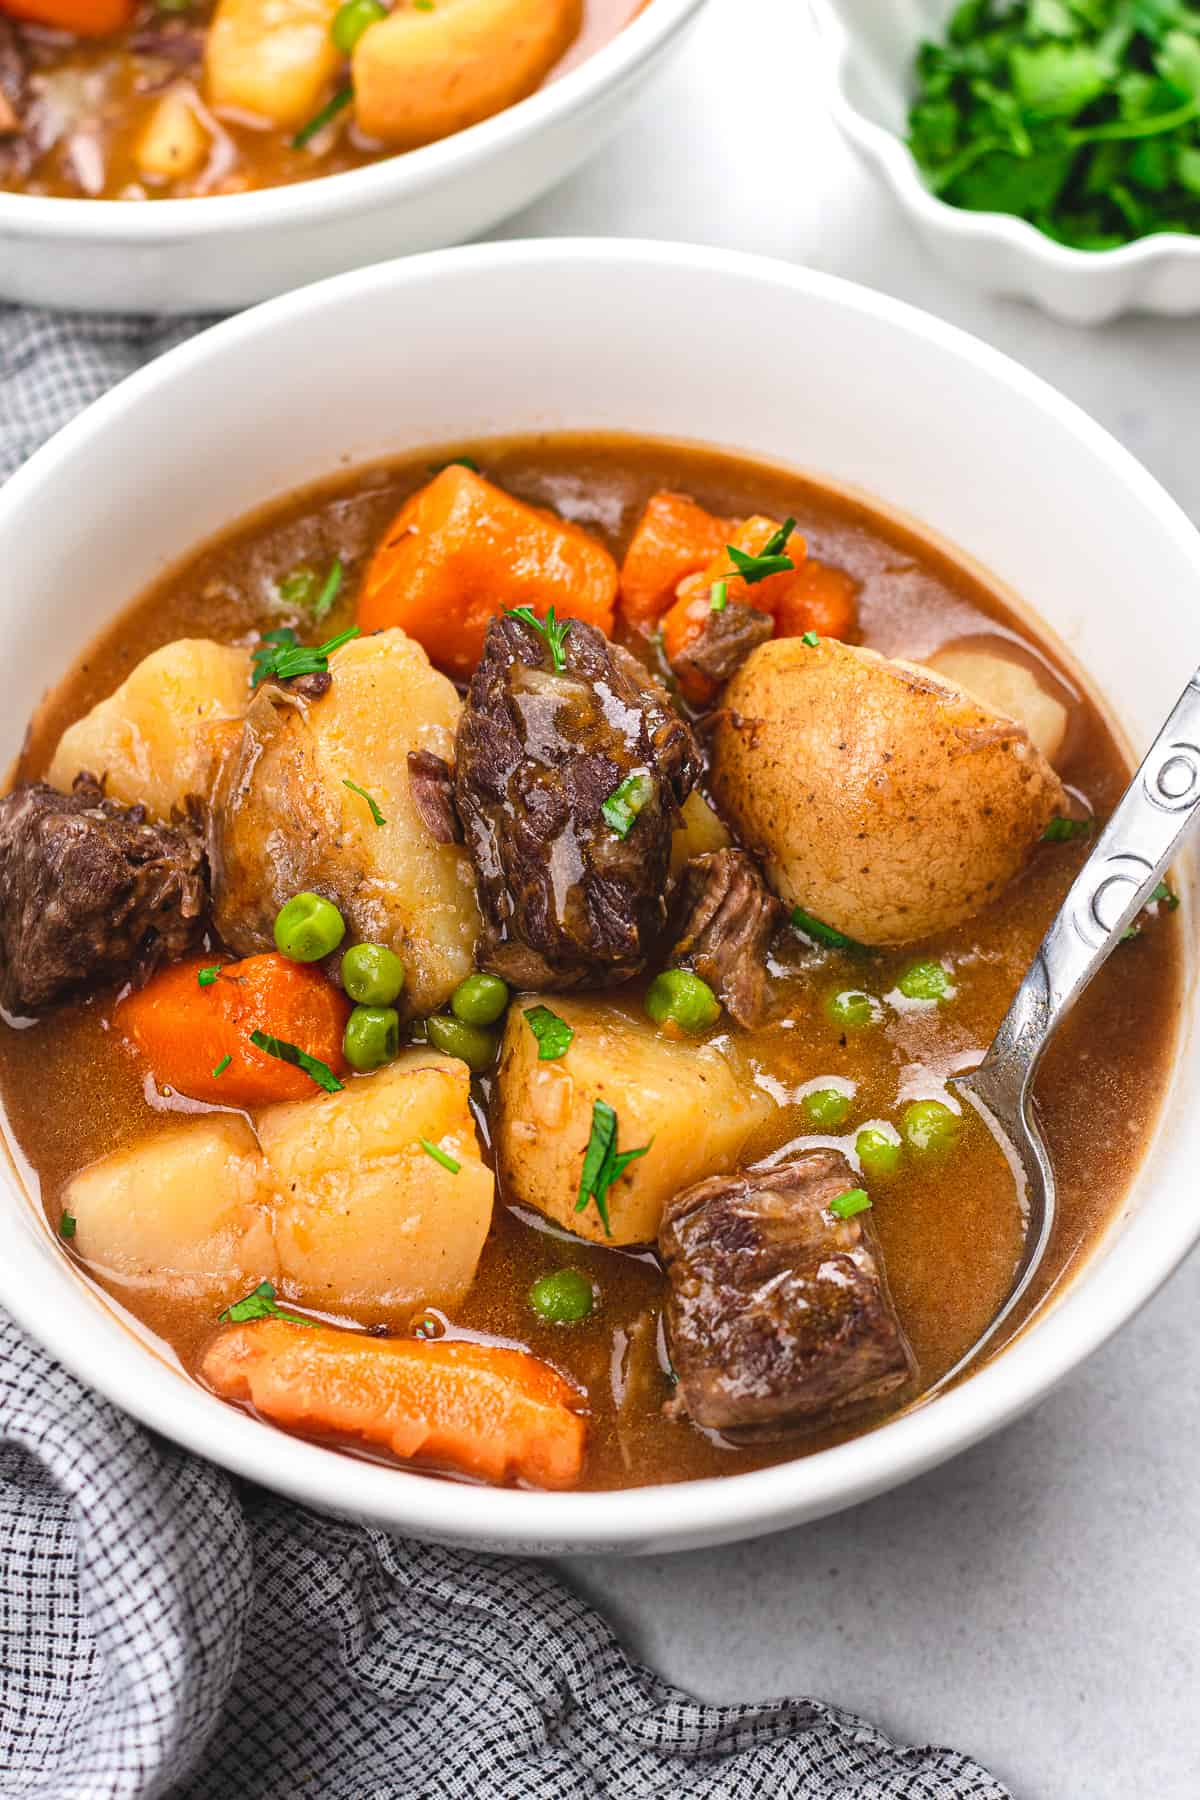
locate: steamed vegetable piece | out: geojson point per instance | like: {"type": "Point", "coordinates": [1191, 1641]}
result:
{"type": "Point", "coordinates": [699, 831]}
{"type": "Point", "coordinates": [423, 73]}
{"type": "Point", "coordinates": [365, 1217]}
{"type": "Point", "coordinates": [674, 537]}
{"type": "Point", "coordinates": [886, 802]}
{"type": "Point", "coordinates": [481, 1409]}
{"type": "Point", "coordinates": [82, 18]}
{"type": "Point", "coordinates": [1008, 687]}
{"type": "Point", "coordinates": [272, 58]}
{"type": "Point", "coordinates": [284, 821]}
{"type": "Point", "coordinates": [188, 1030]}
{"type": "Point", "coordinates": [335, 1202]}
{"type": "Point", "coordinates": [174, 143]}
{"type": "Point", "coordinates": [184, 1211]}
{"type": "Point", "coordinates": [157, 737]}
{"type": "Point", "coordinates": [691, 1103]}
{"type": "Point", "coordinates": [461, 551]}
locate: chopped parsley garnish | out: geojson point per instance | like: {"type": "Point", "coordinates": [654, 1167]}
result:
{"type": "Point", "coordinates": [66, 1225]}
{"type": "Point", "coordinates": [1080, 116]}
{"type": "Point", "coordinates": [455, 462]}
{"type": "Point", "coordinates": [552, 1033]}
{"type": "Point", "coordinates": [1062, 831]}
{"type": "Point", "coordinates": [207, 976]}
{"type": "Point", "coordinates": [281, 657]}
{"type": "Point", "coordinates": [718, 596]}
{"type": "Point", "coordinates": [623, 805]}
{"type": "Point", "coordinates": [260, 1305]}
{"type": "Point", "coordinates": [553, 630]}
{"type": "Point", "coordinates": [298, 586]}
{"type": "Point", "coordinates": [602, 1164]}
{"type": "Point", "coordinates": [223, 1064]}
{"type": "Point", "coordinates": [312, 1066]}
{"type": "Point", "coordinates": [1162, 896]}
{"type": "Point", "coordinates": [330, 590]}
{"type": "Point", "coordinates": [439, 1155]}
{"type": "Point", "coordinates": [811, 639]}
{"type": "Point", "coordinates": [363, 795]}
{"type": "Point", "coordinates": [772, 559]}
{"type": "Point", "coordinates": [319, 120]}
{"type": "Point", "coordinates": [825, 934]}
{"type": "Point", "coordinates": [854, 1200]}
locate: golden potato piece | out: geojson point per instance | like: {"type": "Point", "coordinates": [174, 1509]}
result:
{"type": "Point", "coordinates": [174, 142]}
{"type": "Point", "coordinates": [1008, 687]}
{"type": "Point", "coordinates": [690, 1099]}
{"type": "Point", "coordinates": [285, 822]}
{"type": "Point", "coordinates": [422, 74]}
{"type": "Point", "coordinates": [366, 1218]}
{"type": "Point", "coordinates": [699, 831]}
{"type": "Point", "coordinates": [883, 799]}
{"type": "Point", "coordinates": [156, 739]}
{"type": "Point", "coordinates": [273, 58]}
{"type": "Point", "coordinates": [184, 1211]}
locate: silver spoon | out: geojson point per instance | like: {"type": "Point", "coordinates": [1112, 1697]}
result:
{"type": "Point", "coordinates": [1144, 834]}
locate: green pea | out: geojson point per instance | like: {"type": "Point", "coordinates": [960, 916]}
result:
{"type": "Point", "coordinates": [926, 981]}
{"type": "Point", "coordinates": [470, 1043]}
{"type": "Point", "coordinates": [826, 1106]}
{"type": "Point", "coordinates": [308, 928]}
{"type": "Point", "coordinates": [853, 1010]}
{"type": "Point", "coordinates": [372, 974]}
{"type": "Point", "coordinates": [930, 1128]}
{"type": "Point", "coordinates": [352, 19]}
{"type": "Point", "coordinates": [879, 1154]}
{"type": "Point", "coordinates": [479, 999]}
{"type": "Point", "coordinates": [372, 1037]}
{"type": "Point", "coordinates": [563, 1298]}
{"type": "Point", "coordinates": [679, 997]}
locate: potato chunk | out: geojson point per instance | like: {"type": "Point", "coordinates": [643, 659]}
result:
{"type": "Point", "coordinates": [884, 800]}
{"type": "Point", "coordinates": [184, 1211]}
{"type": "Point", "coordinates": [1008, 687]}
{"type": "Point", "coordinates": [174, 142]}
{"type": "Point", "coordinates": [422, 74]}
{"type": "Point", "coordinates": [273, 58]}
{"type": "Point", "coordinates": [699, 831]}
{"type": "Point", "coordinates": [691, 1099]}
{"type": "Point", "coordinates": [156, 739]}
{"type": "Point", "coordinates": [366, 1217]}
{"type": "Point", "coordinates": [285, 822]}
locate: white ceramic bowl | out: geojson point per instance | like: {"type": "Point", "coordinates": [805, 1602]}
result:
{"type": "Point", "coordinates": [869, 47]}
{"type": "Point", "coordinates": [659, 340]}
{"type": "Point", "coordinates": [217, 254]}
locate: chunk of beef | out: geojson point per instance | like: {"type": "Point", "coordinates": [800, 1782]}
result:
{"type": "Point", "coordinates": [724, 644]}
{"type": "Point", "coordinates": [90, 892]}
{"type": "Point", "coordinates": [14, 74]}
{"type": "Point", "coordinates": [431, 784]}
{"type": "Point", "coordinates": [778, 1312]}
{"type": "Point", "coordinates": [729, 918]}
{"type": "Point", "coordinates": [567, 901]}
{"type": "Point", "coordinates": [173, 42]}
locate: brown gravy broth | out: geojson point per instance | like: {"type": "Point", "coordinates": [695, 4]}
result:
{"type": "Point", "coordinates": [113, 87]}
{"type": "Point", "coordinates": [950, 1233]}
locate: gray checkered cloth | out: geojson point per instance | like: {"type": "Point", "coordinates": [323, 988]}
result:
{"type": "Point", "coordinates": [165, 1629]}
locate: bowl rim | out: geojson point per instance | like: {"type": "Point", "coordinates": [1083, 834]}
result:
{"type": "Point", "coordinates": [391, 179]}
{"type": "Point", "coordinates": [1106, 1292]}
{"type": "Point", "coordinates": [893, 156]}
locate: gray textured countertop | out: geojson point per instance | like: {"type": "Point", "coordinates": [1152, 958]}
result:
{"type": "Point", "coordinates": [1036, 1601]}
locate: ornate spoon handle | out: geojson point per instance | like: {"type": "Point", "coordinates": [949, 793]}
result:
{"type": "Point", "coordinates": [1146, 831]}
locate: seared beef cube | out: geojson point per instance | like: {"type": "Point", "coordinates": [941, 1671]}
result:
{"type": "Point", "coordinates": [90, 892]}
{"type": "Point", "coordinates": [570, 896]}
{"type": "Point", "coordinates": [431, 784]}
{"type": "Point", "coordinates": [729, 918]}
{"type": "Point", "coordinates": [723, 645]}
{"type": "Point", "coordinates": [778, 1312]}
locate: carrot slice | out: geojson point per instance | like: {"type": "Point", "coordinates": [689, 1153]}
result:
{"type": "Point", "coordinates": [481, 1409]}
{"type": "Point", "coordinates": [186, 1031]}
{"type": "Point", "coordinates": [674, 537]}
{"type": "Point", "coordinates": [461, 551]}
{"type": "Point", "coordinates": [820, 598]}
{"type": "Point", "coordinates": [83, 18]}
{"type": "Point", "coordinates": [686, 620]}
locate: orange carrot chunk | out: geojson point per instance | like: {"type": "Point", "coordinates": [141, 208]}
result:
{"type": "Point", "coordinates": [196, 1037]}
{"type": "Point", "coordinates": [462, 551]}
{"type": "Point", "coordinates": [686, 620]}
{"type": "Point", "coordinates": [83, 18]}
{"type": "Point", "coordinates": [818, 598]}
{"type": "Point", "coordinates": [500, 1415]}
{"type": "Point", "coordinates": [674, 538]}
